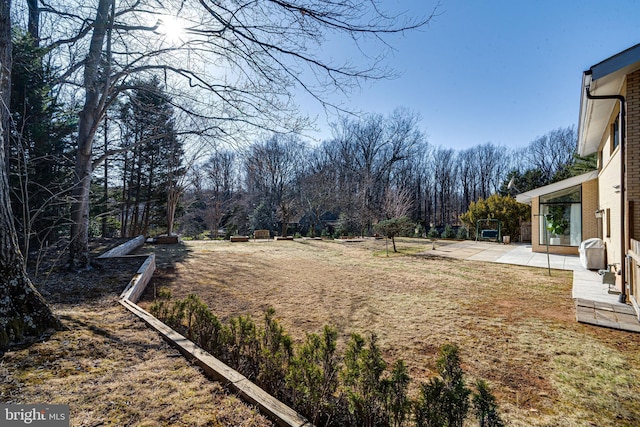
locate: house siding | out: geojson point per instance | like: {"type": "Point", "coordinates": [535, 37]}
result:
{"type": "Point", "coordinates": [610, 202]}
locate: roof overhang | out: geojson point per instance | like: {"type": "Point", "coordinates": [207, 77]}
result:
{"type": "Point", "coordinates": [604, 78]}
{"type": "Point", "coordinates": [527, 196]}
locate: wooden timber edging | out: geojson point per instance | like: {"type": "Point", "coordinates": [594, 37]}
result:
{"type": "Point", "coordinates": [282, 414]}
{"type": "Point", "coordinates": [124, 249]}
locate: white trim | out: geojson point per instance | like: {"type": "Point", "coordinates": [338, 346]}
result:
{"type": "Point", "coordinates": [556, 186]}
{"type": "Point", "coordinates": [605, 78]}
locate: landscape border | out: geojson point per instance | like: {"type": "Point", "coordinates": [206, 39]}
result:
{"type": "Point", "coordinates": [282, 414]}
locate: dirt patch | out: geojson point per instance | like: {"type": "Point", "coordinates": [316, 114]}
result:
{"type": "Point", "coordinates": [108, 366]}
{"type": "Point", "coordinates": [513, 324]}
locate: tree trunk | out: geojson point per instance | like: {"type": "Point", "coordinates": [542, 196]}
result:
{"type": "Point", "coordinates": [5, 78]}
{"type": "Point", "coordinates": [34, 21]}
{"type": "Point", "coordinates": [24, 314]}
{"type": "Point", "coordinates": [90, 116]}
{"type": "Point", "coordinates": [106, 178]}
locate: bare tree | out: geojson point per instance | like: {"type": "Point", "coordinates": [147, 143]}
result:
{"type": "Point", "coordinates": [318, 186]}
{"type": "Point", "coordinates": [275, 167]}
{"type": "Point", "coordinates": [553, 151]}
{"type": "Point", "coordinates": [445, 176]}
{"type": "Point", "coordinates": [370, 151]}
{"type": "Point", "coordinates": [397, 203]}
{"type": "Point", "coordinates": [237, 65]}
{"type": "Point", "coordinates": [220, 180]}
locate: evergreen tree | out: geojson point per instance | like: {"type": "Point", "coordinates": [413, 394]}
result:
{"type": "Point", "coordinates": [152, 161]}
{"type": "Point", "coordinates": [40, 147]}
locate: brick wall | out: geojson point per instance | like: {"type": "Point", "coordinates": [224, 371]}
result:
{"type": "Point", "coordinates": [590, 226]}
{"type": "Point", "coordinates": [633, 153]}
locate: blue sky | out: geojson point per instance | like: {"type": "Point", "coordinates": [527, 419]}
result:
{"type": "Point", "coordinates": [500, 71]}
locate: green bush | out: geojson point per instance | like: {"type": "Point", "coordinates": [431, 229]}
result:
{"type": "Point", "coordinates": [355, 389]}
{"type": "Point", "coordinates": [444, 401]}
{"type": "Point", "coordinates": [275, 357]}
{"type": "Point", "coordinates": [313, 377]}
{"type": "Point", "coordinates": [448, 233]}
{"type": "Point", "coordinates": [362, 384]}
{"type": "Point", "coordinates": [433, 233]}
{"type": "Point", "coordinates": [462, 233]}
{"type": "Point", "coordinates": [506, 209]}
{"type": "Point", "coordinates": [485, 407]}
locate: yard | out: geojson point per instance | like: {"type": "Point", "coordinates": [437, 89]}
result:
{"type": "Point", "coordinates": [108, 366]}
{"type": "Point", "coordinates": [515, 325]}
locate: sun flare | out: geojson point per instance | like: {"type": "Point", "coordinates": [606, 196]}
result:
{"type": "Point", "coordinates": [172, 28]}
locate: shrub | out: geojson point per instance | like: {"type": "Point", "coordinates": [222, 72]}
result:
{"type": "Point", "coordinates": [362, 382]}
{"type": "Point", "coordinates": [375, 397]}
{"type": "Point", "coordinates": [313, 378]}
{"type": "Point", "coordinates": [485, 407]}
{"type": "Point", "coordinates": [358, 392]}
{"type": "Point", "coordinates": [506, 209]}
{"type": "Point", "coordinates": [462, 233]}
{"type": "Point", "coordinates": [243, 349]}
{"type": "Point", "coordinates": [231, 231]}
{"type": "Point", "coordinates": [448, 233]}
{"type": "Point", "coordinates": [444, 401]}
{"type": "Point", "coordinates": [433, 233]}
{"type": "Point", "coordinates": [275, 356]}
{"type": "Point", "coordinates": [397, 403]}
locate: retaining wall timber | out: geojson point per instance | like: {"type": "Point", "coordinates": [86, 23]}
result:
{"type": "Point", "coordinates": [283, 415]}
{"type": "Point", "coordinates": [124, 249]}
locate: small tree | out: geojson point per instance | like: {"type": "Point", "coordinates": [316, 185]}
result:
{"type": "Point", "coordinates": [506, 209]}
{"type": "Point", "coordinates": [394, 227]}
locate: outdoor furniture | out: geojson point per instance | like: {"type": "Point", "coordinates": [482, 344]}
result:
{"type": "Point", "coordinates": [261, 234]}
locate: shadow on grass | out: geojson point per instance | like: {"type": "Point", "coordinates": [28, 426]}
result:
{"type": "Point", "coordinates": [167, 256]}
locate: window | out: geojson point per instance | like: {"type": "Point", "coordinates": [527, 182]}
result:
{"type": "Point", "coordinates": [561, 217]}
{"type": "Point", "coordinates": [608, 223]}
{"type": "Point", "coordinates": [615, 134]}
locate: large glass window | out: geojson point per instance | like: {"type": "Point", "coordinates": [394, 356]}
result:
{"type": "Point", "coordinates": [561, 217]}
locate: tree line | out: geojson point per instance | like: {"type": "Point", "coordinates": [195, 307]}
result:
{"type": "Point", "coordinates": [373, 169]}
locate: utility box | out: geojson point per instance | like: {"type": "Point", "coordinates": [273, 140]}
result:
{"type": "Point", "coordinates": [592, 254]}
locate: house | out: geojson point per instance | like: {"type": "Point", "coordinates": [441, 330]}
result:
{"type": "Point", "coordinates": [604, 203]}
{"type": "Point", "coordinates": [563, 214]}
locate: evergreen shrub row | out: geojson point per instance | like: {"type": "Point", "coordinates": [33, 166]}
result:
{"type": "Point", "coordinates": [329, 389]}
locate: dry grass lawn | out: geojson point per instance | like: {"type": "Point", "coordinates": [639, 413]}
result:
{"type": "Point", "coordinates": [515, 325]}
{"type": "Point", "coordinates": [109, 367]}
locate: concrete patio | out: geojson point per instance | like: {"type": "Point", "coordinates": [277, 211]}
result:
{"type": "Point", "coordinates": [594, 304]}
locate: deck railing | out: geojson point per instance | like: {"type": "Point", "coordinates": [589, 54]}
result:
{"type": "Point", "coordinates": [633, 275]}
